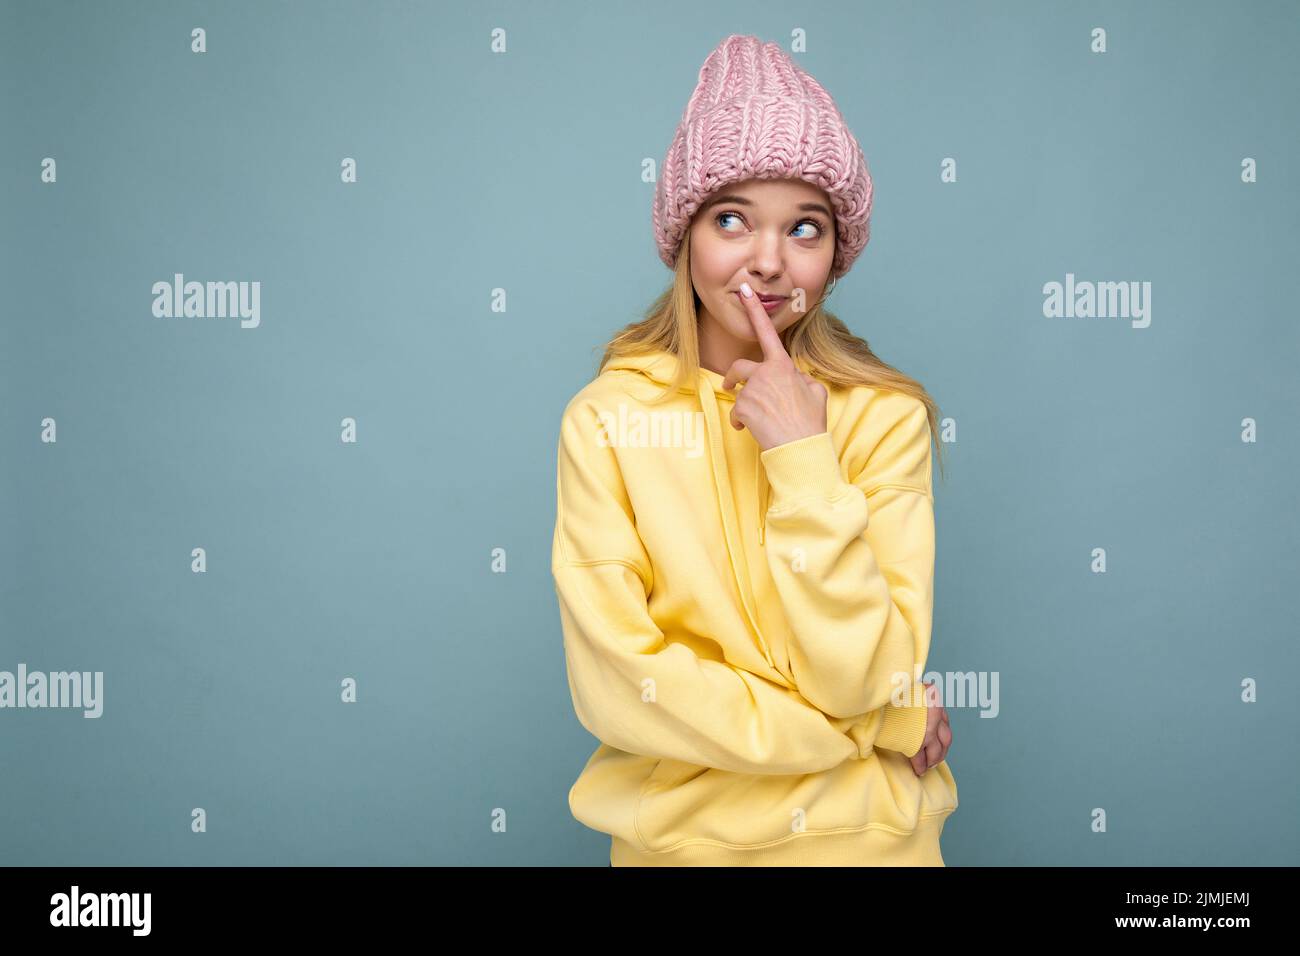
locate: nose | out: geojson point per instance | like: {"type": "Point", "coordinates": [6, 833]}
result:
{"type": "Point", "coordinates": [766, 262]}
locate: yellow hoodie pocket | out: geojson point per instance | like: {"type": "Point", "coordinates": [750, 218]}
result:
{"type": "Point", "coordinates": [681, 803]}
{"type": "Point", "coordinates": [661, 815]}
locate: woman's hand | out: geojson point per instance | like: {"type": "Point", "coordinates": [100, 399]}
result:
{"type": "Point", "coordinates": [779, 403]}
{"type": "Point", "coordinates": [938, 735]}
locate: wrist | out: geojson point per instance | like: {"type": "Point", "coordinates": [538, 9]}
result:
{"type": "Point", "coordinates": [805, 467]}
{"type": "Point", "coordinates": [902, 729]}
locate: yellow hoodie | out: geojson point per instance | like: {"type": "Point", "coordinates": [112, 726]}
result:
{"type": "Point", "coordinates": [744, 631]}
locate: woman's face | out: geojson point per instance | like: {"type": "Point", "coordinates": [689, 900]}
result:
{"type": "Point", "coordinates": [776, 234]}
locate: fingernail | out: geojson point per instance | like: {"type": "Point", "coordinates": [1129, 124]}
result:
{"type": "Point", "coordinates": [748, 292]}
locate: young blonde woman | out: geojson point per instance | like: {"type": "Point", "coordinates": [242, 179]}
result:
{"type": "Point", "coordinates": [744, 538]}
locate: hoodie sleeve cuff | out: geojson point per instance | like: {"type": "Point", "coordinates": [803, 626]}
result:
{"type": "Point", "coordinates": [805, 468]}
{"type": "Point", "coordinates": [902, 729]}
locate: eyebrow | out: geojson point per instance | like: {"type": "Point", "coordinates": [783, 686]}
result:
{"type": "Point", "coordinates": [742, 201]}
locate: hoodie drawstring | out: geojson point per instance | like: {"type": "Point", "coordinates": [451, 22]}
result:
{"type": "Point", "coordinates": [727, 504]}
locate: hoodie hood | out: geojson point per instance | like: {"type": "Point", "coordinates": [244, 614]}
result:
{"type": "Point", "coordinates": [659, 367]}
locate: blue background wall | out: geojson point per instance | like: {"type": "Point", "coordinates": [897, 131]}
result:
{"type": "Point", "coordinates": [522, 171]}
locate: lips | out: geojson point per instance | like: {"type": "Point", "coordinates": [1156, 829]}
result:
{"type": "Point", "coordinates": [771, 298]}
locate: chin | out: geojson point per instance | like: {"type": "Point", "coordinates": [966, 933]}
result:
{"type": "Point", "coordinates": [743, 332]}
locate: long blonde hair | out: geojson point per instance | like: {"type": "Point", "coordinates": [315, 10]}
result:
{"type": "Point", "coordinates": [819, 343]}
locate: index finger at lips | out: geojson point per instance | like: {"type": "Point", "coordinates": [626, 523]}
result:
{"type": "Point", "coordinates": [768, 339]}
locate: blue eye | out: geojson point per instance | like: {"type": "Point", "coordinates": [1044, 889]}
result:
{"type": "Point", "coordinates": [722, 216]}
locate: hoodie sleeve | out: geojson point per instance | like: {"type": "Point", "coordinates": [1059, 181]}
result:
{"type": "Point", "coordinates": [853, 562]}
{"type": "Point", "coordinates": [633, 690]}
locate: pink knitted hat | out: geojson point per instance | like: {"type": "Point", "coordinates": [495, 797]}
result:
{"type": "Point", "coordinates": [755, 114]}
